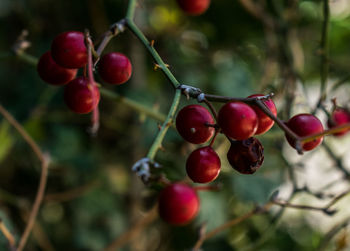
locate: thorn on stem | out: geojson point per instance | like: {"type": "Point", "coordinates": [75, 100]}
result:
{"type": "Point", "coordinates": [156, 67]}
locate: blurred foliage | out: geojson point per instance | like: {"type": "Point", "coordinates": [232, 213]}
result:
{"type": "Point", "coordinates": [223, 51]}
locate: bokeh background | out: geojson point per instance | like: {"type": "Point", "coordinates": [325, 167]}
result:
{"type": "Point", "coordinates": [92, 196]}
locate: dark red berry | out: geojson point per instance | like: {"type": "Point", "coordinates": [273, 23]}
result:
{"type": "Point", "coordinates": [305, 125]}
{"type": "Point", "coordinates": [238, 120]}
{"type": "Point", "coordinates": [203, 165]}
{"type": "Point", "coordinates": [194, 7]}
{"type": "Point", "coordinates": [81, 96]}
{"type": "Point", "coordinates": [115, 68]}
{"type": "Point", "coordinates": [178, 204]}
{"type": "Point", "coordinates": [191, 123]}
{"type": "Point", "coordinates": [52, 73]}
{"type": "Point", "coordinates": [68, 49]}
{"type": "Point", "coordinates": [264, 121]}
{"type": "Point", "coordinates": [246, 156]}
{"type": "Point", "coordinates": [339, 117]}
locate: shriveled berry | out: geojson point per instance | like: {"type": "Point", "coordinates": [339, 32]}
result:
{"type": "Point", "coordinates": [194, 7]}
{"type": "Point", "coordinates": [115, 68]}
{"type": "Point", "coordinates": [192, 124]}
{"type": "Point", "coordinates": [81, 96]}
{"type": "Point", "coordinates": [238, 120]}
{"type": "Point", "coordinates": [246, 156]}
{"type": "Point", "coordinates": [264, 121]}
{"type": "Point", "coordinates": [52, 73]}
{"type": "Point", "coordinates": [339, 117]}
{"type": "Point", "coordinates": [303, 125]}
{"type": "Point", "coordinates": [178, 204]}
{"type": "Point", "coordinates": [203, 165]}
{"type": "Point", "coordinates": [68, 49]}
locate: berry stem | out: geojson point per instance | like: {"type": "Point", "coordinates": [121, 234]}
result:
{"type": "Point", "coordinates": [92, 84]}
{"type": "Point", "coordinates": [280, 123]}
{"type": "Point", "coordinates": [214, 137]}
{"type": "Point", "coordinates": [212, 109]}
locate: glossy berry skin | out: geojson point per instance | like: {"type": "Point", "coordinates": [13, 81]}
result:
{"type": "Point", "coordinates": [194, 7]}
{"type": "Point", "coordinates": [264, 122]}
{"type": "Point", "coordinates": [339, 117]}
{"type": "Point", "coordinates": [238, 120]}
{"type": "Point", "coordinates": [178, 204]}
{"type": "Point", "coordinates": [304, 125]}
{"type": "Point", "coordinates": [203, 165]}
{"type": "Point", "coordinates": [115, 68]}
{"type": "Point", "coordinates": [191, 124]}
{"type": "Point", "coordinates": [52, 73]}
{"type": "Point", "coordinates": [246, 156]}
{"type": "Point", "coordinates": [68, 49]}
{"type": "Point", "coordinates": [79, 95]}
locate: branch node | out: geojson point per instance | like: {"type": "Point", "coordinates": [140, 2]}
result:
{"type": "Point", "coordinates": [190, 91]}
{"type": "Point", "coordinates": [142, 168]}
{"type": "Point", "coordinates": [201, 97]}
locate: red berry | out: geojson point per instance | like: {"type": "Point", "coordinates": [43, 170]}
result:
{"type": "Point", "coordinates": [203, 165]}
{"type": "Point", "coordinates": [238, 120]}
{"type": "Point", "coordinates": [178, 204]}
{"type": "Point", "coordinates": [115, 68]}
{"type": "Point", "coordinates": [80, 96]}
{"type": "Point", "coordinates": [68, 49]}
{"type": "Point", "coordinates": [339, 117]}
{"type": "Point", "coordinates": [194, 7]}
{"type": "Point", "coordinates": [246, 156]}
{"type": "Point", "coordinates": [264, 121]}
{"type": "Point", "coordinates": [304, 125]}
{"type": "Point", "coordinates": [52, 73]}
{"type": "Point", "coordinates": [191, 123]}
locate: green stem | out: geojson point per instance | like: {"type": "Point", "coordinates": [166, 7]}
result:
{"type": "Point", "coordinates": [131, 9]}
{"type": "Point", "coordinates": [149, 46]}
{"type": "Point", "coordinates": [29, 59]}
{"type": "Point", "coordinates": [324, 68]}
{"type": "Point", "coordinates": [133, 105]}
{"type": "Point", "coordinates": [167, 123]}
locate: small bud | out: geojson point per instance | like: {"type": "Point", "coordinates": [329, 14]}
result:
{"type": "Point", "coordinates": [246, 156]}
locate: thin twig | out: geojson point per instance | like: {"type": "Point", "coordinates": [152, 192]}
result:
{"type": "Point", "coordinates": [44, 159]}
{"type": "Point", "coordinates": [23, 133]}
{"type": "Point", "coordinates": [231, 223]}
{"type": "Point", "coordinates": [123, 239]}
{"type": "Point", "coordinates": [324, 66]}
{"type": "Point", "coordinates": [7, 234]}
{"type": "Point", "coordinates": [70, 194]}
{"type": "Point", "coordinates": [329, 236]}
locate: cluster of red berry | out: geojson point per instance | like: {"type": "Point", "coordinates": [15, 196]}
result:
{"type": "Point", "coordinates": [179, 203]}
{"type": "Point", "coordinates": [60, 66]}
{"type": "Point", "coordinates": [239, 122]}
